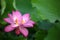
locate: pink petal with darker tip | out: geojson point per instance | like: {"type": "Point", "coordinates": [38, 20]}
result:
{"type": "Point", "coordinates": [9, 28]}
{"type": "Point", "coordinates": [26, 17]}
{"type": "Point", "coordinates": [24, 31]}
{"type": "Point", "coordinates": [30, 21]}
{"type": "Point", "coordinates": [8, 20]}
{"type": "Point", "coordinates": [29, 24]}
{"type": "Point", "coordinates": [17, 14]}
{"type": "Point", "coordinates": [10, 16]}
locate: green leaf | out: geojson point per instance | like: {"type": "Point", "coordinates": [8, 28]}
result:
{"type": "Point", "coordinates": [53, 34]}
{"type": "Point", "coordinates": [3, 5]}
{"type": "Point", "coordinates": [44, 24]}
{"type": "Point", "coordinates": [25, 6]}
{"type": "Point", "coordinates": [48, 9]}
{"type": "Point", "coordinates": [40, 35]}
{"type": "Point", "coordinates": [32, 31]}
{"type": "Point", "coordinates": [22, 38]}
{"type": "Point", "coordinates": [58, 25]}
{"type": "Point", "coordinates": [11, 36]}
{"type": "Point", "coordinates": [9, 8]}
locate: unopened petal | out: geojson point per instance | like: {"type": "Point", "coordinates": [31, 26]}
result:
{"type": "Point", "coordinates": [9, 28]}
{"type": "Point", "coordinates": [17, 31]}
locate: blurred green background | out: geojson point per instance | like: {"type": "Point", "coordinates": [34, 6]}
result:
{"type": "Point", "coordinates": [46, 14]}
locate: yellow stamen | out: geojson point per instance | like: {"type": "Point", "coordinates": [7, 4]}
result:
{"type": "Point", "coordinates": [16, 21]}
{"type": "Point", "coordinates": [23, 21]}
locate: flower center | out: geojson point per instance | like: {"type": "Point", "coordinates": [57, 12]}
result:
{"type": "Point", "coordinates": [16, 22]}
{"type": "Point", "coordinates": [23, 21]}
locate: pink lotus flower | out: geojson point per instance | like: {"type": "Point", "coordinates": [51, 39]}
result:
{"type": "Point", "coordinates": [18, 23]}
